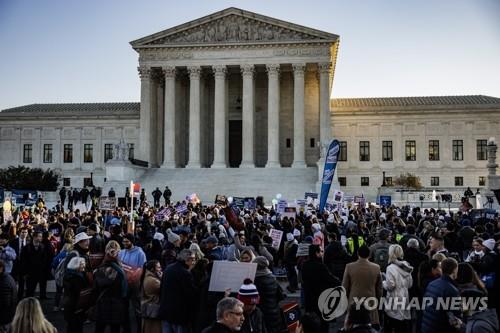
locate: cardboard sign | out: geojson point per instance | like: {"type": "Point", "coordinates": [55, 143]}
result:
{"type": "Point", "coordinates": [276, 235]}
{"type": "Point", "coordinates": [107, 203]}
{"type": "Point", "coordinates": [230, 275]}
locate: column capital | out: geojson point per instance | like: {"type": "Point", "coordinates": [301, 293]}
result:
{"type": "Point", "coordinates": [219, 71]}
{"type": "Point", "coordinates": [299, 68]}
{"type": "Point", "coordinates": [247, 69]}
{"type": "Point", "coordinates": [273, 69]}
{"type": "Point", "coordinates": [324, 67]}
{"type": "Point", "coordinates": [144, 72]}
{"type": "Point", "coordinates": [168, 72]}
{"type": "Point", "coordinates": [194, 72]}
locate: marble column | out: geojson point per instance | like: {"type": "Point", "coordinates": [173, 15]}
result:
{"type": "Point", "coordinates": [144, 151]}
{"type": "Point", "coordinates": [324, 103]}
{"type": "Point", "coordinates": [194, 117]}
{"type": "Point", "coordinates": [247, 72]}
{"type": "Point", "coordinates": [299, 160]}
{"type": "Point", "coordinates": [220, 121]}
{"type": "Point", "coordinates": [169, 118]}
{"type": "Point", "coordinates": [273, 117]}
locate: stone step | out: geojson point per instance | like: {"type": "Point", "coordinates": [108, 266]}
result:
{"type": "Point", "coordinates": [206, 182]}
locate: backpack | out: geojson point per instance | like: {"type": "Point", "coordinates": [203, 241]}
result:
{"type": "Point", "coordinates": [381, 257]}
{"type": "Point", "coordinates": [61, 268]}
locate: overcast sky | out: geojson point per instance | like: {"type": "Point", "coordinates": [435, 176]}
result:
{"type": "Point", "coordinates": [61, 51]}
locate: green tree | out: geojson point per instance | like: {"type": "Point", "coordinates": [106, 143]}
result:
{"type": "Point", "coordinates": [24, 178]}
{"type": "Point", "coordinates": [408, 180]}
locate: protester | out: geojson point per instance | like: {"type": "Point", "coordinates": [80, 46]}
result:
{"type": "Point", "coordinates": [398, 280]}
{"type": "Point", "coordinates": [111, 288]}
{"type": "Point", "coordinates": [18, 244]}
{"type": "Point", "coordinates": [358, 320]}
{"type": "Point", "coordinates": [254, 319]}
{"type": "Point", "coordinates": [150, 297]}
{"type": "Point", "coordinates": [35, 261]}
{"type": "Point", "coordinates": [316, 278]}
{"type": "Point", "coordinates": [362, 278]}
{"type": "Point", "coordinates": [29, 318]}
{"type": "Point", "coordinates": [440, 320]}
{"type": "Point", "coordinates": [7, 253]}
{"type": "Point", "coordinates": [7, 298]}
{"type": "Point", "coordinates": [270, 294]}
{"type": "Point", "coordinates": [177, 300]}
{"type": "Point", "coordinates": [230, 316]}
{"type": "Point", "coordinates": [75, 281]}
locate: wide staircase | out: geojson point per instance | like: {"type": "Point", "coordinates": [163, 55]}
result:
{"type": "Point", "coordinates": [291, 183]}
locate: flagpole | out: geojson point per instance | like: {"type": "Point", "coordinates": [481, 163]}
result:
{"type": "Point", "coordinates": [132, 205]}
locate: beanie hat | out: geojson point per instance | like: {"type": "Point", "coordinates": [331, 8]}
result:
{"type": "Point", "coordinates": [158, 236]}
{"type": "Point", "coordinates": [489, 243]}
{"type": "Point", "coordinates": [172, 237]}
{"type": "Point", "coordinates": [212, 239]}
{"type": "Point", "coordinates": [248, 293]}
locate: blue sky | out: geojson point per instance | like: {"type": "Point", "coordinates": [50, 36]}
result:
{"type": "Point", "coordinates": [59, 51]}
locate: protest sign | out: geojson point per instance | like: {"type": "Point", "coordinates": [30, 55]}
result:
{"type": "Point", "coordinates": [230, 275]}
{"type": "Point", "coordinates": [385, 200]}
{"type": "Point", "coordinates": [312, 195]}
{"type": "Point", "coordinates": [338, 196]}
{"type": "Point", "coordinates": [360, 200]}
{"type": "Point", "coordinates": [301, 203]}
{"type": "Point", "coordinates": [181, 208]}
{"type": "Point", "coordinates": [24, 197]}
{"type": "Point", "coordinates": [250, 203]}
{"type": "Point", "coordinates": [291, 311]}
{"type": "Point", "coordinates": [107, 203]}
{"type": "Point", "coordinates": [290, 212]}
{"type": "Point", "coordinates": [282, 204]}
{"type": "Point", "coordinates": [276, 235]}
{"type": "Point", "coordinates": [239, 202]}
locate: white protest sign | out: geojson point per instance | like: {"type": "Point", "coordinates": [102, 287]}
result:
{"type": "Point", "coordinates": [282, 204]}
{"type": "Point", "coordinates": [107, 203]}
{"type": "Point", "coordinates": [230, 275]}
{"type": "Point", "coordinates": [276, 235]}
{"type": "Point", "coordinates": [290, 212]}
{"type": "Point", "coordinates": [338, 196]}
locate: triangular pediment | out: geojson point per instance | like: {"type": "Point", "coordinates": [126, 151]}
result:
{"type": "Point", "coordinates": [234, 26]}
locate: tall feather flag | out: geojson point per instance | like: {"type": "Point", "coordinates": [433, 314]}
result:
{"type": "Point", "coordinates": [328, 172]}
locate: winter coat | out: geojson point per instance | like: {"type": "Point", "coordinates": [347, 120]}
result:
{"type": "Point", "coordinates": [335, 259]}
{"type": "Point", "coordinates": [177, 300]}
{"type": "Point", "coordinates": [151, 294]}
{"type": "Point", "coordinates": [362, 279]}
{"type": "Point", "coordinates": [270, 294]}
{"type": "Point", "coordinates": [398, 280]}
{"type": "Point", "coordinates": [482, 322]}
{"type": "Point", "coordinates": [316, 278]}
{"type": "Point", "coordinates": [35, 262]}
{"type": "Point", "coordinates": [8, 291]}
{"type": "Point", "coordinates": [110, 285]}
{"type": "Point", "coordinates": [433, 320]}
{"type": "Point", "coordinates": [8, 255]}
{"type": "Point", "coordinates": [414, 258]}
{"type": "Point", "coordinates": [74, 282]}
{"type": "Point", "coordinates": [254, 322]}
{"type": "Point", "coordinates": [217, 328]}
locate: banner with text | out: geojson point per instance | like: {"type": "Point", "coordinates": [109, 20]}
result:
{"type": "Point", "coordinates": [328, 172]}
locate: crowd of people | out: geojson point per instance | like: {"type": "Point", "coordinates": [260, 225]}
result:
{"type": "Point", "coordinates": [158, 266]}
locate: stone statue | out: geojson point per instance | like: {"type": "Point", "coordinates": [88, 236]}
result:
{"type": "Point", "coordinates": [120, 151]}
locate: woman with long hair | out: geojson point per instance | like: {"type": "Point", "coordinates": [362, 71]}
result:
{"type": "Point", "coordinates": [110, 285]}
{"type": "Point", "coordinates": [150, 297]}
{"type": "Point", "coordinates": [29, 317]}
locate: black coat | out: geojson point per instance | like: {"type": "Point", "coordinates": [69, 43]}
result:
{"type": "Point", "coordinates": [254, 323]}
{"type": "Point", "coordinates": [34, 262]}
{"type": "Point", "coordinates": [178, 295]}
{"type": "Point", "coordinates": [8, 291]}
{"type": "Point", "coordinates": [73, 284]}
{"type": "Point", "coordinates": [217, 328]}
{"type": "Point", "coordinates": [112, 303]}
{"type": "Point", "coordinates": [270, 294]}
{"type": "Point", "coordinates": [315, 279]}
{"type": "Point", "coordinates": [336, 258]}
{"type": "Point", "coordinates": [414, 258]}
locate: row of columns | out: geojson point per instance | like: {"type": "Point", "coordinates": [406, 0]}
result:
{"type": "Point", "coordinates": [220, 121]}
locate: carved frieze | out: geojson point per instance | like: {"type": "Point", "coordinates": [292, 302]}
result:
{"type": "Point", "coordinates": [234, 28]}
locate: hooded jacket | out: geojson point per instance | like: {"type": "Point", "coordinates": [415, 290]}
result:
{"type": "Point", "coordinates": [397, 282]}
{"type": "Point", "coordinates": [482, 322]}
{"type": "Point", "coordinates": [134, 257]}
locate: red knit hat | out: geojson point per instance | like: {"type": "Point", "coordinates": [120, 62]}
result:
{"type": "Point", "coordinates": [248, 293]}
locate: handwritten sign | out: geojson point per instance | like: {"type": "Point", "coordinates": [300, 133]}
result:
{"type": "Point", "coordinates": [276, 235]}
{"type": "Point", "coordinates": [107, 203]}
{"type": "Point", "coordinates": [230, 275]}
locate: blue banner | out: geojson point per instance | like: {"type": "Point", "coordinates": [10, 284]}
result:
{"type": "Point", "coordinates": [2, 195]}
{"type": "Point", "coordinates": [385, 200]}
{"type": "Point", "coordinates": [328, 172]}
{"type": "Point", "coordinates": [24, 197]}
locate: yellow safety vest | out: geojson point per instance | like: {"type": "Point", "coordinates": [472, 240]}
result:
{"type": "Point", "coordinates": [350, 244]}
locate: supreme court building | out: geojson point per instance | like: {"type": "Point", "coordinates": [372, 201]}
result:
{"type": "Point", "coordinates": [240, 103]}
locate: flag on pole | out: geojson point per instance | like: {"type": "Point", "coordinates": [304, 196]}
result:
{"type": "Point", "coordinates": [328, 172]}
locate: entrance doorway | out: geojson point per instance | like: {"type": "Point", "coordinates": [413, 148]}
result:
{"type": "Point", "coordinates": [235, 143]}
